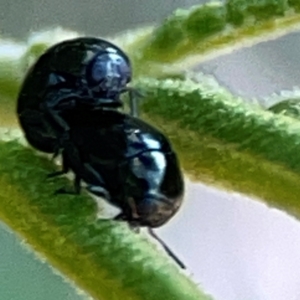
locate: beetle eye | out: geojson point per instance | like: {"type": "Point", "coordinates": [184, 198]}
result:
{"type": "Point", "coordinates": [108, 72]}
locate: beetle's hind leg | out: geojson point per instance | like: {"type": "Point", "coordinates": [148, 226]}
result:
{"type": "Point", "coordinates": [37, 131]}
{"type": "Point", "coordinates": [57, 173]}
{"type": "Point", "coordinates": [99, 191]}
{"type": "Point", "coordinates": [65, 168]}
{"type": "Point", "coordinates": [75, 191]}
{"type": "Point", "coordinates": [57, 151]}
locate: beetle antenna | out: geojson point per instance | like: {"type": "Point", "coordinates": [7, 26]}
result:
{"type": "Point", "coordinates": [134, 97]}
{"type": "Point", "coordinates": [167, 249]}
{"type": "Point", "coordinates": [133, 103]}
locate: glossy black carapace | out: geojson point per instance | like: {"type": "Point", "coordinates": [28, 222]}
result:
{"type": "Point", "coordinates": [82, 74]}
{"type": "Point", "coordinates": [128, 162]}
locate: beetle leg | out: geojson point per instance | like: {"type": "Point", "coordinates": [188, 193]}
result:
{"type": "Point", "coordinates": [133, 105]}
{"type": "Point", "coordinates": [57, 151]}
{"type": "Point", "coordinates": [134, 96]}
{"type": "Point", "coordinates": [38, 132]}
{"type": "Point", "coordinates": [61, 127]}
{"type": "Point", "coordinates": [96, 184]}
{"type": "Point", "coordinates": [77, 185]}
{"type": "Point", "coordinates": [124, 215]}
{"type": "Point", "coordinates": [99, 191]}
{"type": "Point", "coordinates": [54, 103]}
{"type": "Point", "coordinates": [132, 206]}
{"type": "Point", "coordinates": [129, 214]}
{"type": "Point", "coordinates": [75, 191]}
{"type": "Point", "coordinates": [120, 217]}
{"type": "Point", "coordinates": [57, 173]}
{"type": "Point", "coordinates": [65, 168]}
{"type": "Point", "coordinates": [64, 191]}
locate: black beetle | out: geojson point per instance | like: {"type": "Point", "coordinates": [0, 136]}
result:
{"type": "Point", "coordinates": [80, 74]}
{"type": "Point", "coordinates": [128, 162]}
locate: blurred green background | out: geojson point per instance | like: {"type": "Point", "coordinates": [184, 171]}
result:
{"type": "Point", "coordinates": [96, 17]}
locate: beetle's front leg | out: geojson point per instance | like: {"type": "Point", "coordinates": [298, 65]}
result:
{"type": "Point", "coordinates": [129, 213]}
{"type": "Point", "coordinates": [134, 97]}
{"type": "Point", "coordinates": [65, 169]}
{"type": "Point", "coordinates": [76, 191]}
{"type": "Point", "coordinates": [55, 102]}
{"type": "Point", "coordinates": [134, 110]}
{"type": "Point", "coordinates": [123, 217]}
{"type": "Point", "coordinates": [56, 123]}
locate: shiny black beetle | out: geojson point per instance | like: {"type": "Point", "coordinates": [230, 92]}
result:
{"type": "Point", "coordinates": [128, 162]}
{"type": "Point", "coordinates": [81, 74]}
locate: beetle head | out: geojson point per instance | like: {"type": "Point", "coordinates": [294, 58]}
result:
{"type": "Point", "coordinates": [108, 73]}
{"type": "Point", "coordinates": [155, 210]}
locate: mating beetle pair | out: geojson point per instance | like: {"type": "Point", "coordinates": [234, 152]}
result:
{"type": "Point", "coordinates": [77, 75]}
{"type": "Point", "coordinates": [69, 104]}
